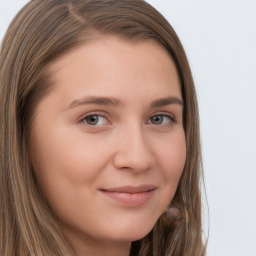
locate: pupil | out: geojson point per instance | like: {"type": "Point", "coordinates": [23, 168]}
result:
{"type": "Point", "coordinates": [92, 119]}
{"type": "Point", "coordinates": [157, 119]}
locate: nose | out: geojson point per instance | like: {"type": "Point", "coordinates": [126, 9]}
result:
{"type": "Point", "coordinates": [133, 151]}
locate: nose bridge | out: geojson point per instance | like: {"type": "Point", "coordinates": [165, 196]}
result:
{"type": "Point", "coordinates": [134, 150]}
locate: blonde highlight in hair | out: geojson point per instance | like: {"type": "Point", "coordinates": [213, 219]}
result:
{"type": "Point", "coordinates": [40, 33]}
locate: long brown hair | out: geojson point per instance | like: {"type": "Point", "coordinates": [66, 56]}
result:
{"type": "Point", "coordinates": [40, 33]}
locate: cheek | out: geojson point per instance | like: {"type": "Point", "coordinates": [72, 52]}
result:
{"type": "Point", "coordinates": [173, 158]}
{"type": "Point", "coordinates": [66, 166]}
{"type": "Point", "coordinates": [65, 154]}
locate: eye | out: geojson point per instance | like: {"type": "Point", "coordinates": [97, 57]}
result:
{"type": "Point", "coordinates": [95, 120]}
{"type": "Point", "coordinates": [161, 119]}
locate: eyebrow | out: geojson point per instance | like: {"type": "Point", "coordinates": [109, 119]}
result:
{"type": "Point", "coordinates": [109, 101]}
{"type": "Point", "coordinates": [166, 101]}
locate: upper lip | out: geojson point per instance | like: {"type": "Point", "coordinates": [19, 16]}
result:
{"type": "Point", "coordinates": [131, 189]}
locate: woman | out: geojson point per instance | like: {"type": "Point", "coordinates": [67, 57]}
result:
{"type": "Point", "coordinates": [99, 133]}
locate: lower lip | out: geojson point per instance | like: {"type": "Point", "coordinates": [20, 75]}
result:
{"type": "Point", "coordinates": [130, 199]}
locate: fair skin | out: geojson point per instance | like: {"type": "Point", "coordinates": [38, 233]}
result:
{"type": "Point", "coordinates": [108, 143]}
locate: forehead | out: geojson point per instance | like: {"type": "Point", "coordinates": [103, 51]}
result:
{"type": "Point", "coordinates": [103, 47]}
{"type": "Point", "coordinates": [113, 65]}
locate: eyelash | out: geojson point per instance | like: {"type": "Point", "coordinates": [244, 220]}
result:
{"type": "Point", "coordinates": [93, 114]}
{"type": "Point", "coordinates": [169, 117]}
{"type": "Point", "coordinates": [83, 119]}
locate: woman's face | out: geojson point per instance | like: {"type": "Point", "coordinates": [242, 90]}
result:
{"type": "Point", "coordinates": [107, 143]}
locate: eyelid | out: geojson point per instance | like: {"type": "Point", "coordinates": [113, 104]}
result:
{"type": "Point", "coordinates": [165, 114]}
{"type": "Point", "coordinates": [94, 113]}
{"type": "Point", "coordinates": [105, 115]}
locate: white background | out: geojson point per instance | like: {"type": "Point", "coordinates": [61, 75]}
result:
{"type": "Point", "coordinates": [219, 37]}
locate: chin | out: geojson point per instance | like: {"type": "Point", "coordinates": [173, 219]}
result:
{"type": "Point", "coordinates": [132, 232]}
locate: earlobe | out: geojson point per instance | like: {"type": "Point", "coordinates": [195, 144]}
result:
{"type": "Point", "coordinates": [173, 212]}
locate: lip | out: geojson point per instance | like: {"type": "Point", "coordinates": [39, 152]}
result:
{"type": "Point", "coordinates": [130, 195]}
